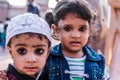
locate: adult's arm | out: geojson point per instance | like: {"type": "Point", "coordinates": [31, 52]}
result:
{"type": "Point", "coordinates": [114, 3]}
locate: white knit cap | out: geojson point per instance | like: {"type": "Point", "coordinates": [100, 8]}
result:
{"type": "Point", "coordinates": [27, 22]}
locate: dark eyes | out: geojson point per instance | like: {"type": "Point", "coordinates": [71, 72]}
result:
{"type": "Point", "coordinates": [39, 51]}
{"type": "Point", "coordinates": [23, 51]}
{"type": "Point", "coordinates": [67, 28]}
{"type": "Point", "coordinates": [81, 29]}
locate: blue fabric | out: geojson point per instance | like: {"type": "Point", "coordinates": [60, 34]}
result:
{"type": "Point", "coordinates": [2, 39]}
{"type": "Point", "coordinates": [57, 64]}
{"type": "Point", "coordinates": [33, 9]}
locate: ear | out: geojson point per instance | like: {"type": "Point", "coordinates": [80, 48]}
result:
{"type": "Point", "coordinates": [54, 28]}
{"type": "Point", "coordinates": [55, 32]}
{"type": "Point", "coordinates": [10, 51]}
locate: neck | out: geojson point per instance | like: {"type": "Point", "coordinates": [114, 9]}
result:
{"type": "Point", "coordinates": [78, 54]}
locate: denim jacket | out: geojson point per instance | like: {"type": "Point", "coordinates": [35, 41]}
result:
{"type": "Point", "coordinates": [57, 65]}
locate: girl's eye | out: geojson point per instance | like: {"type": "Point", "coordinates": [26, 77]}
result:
{"type": "Point", "coordinates": [82, 29]}
{"type": "Point", "coordinates": [21, 51]}
{"type": "Point", "coordinates": [39, 51]}
{"type": "Point", "coordinates": [67, 28]}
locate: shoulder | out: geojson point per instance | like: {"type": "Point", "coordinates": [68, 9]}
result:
{"type": "Point", "coordinates": [56, 50]}
{"type": "Point", "coordinates": [92, 55]}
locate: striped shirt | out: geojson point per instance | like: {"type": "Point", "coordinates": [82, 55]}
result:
{"type": "Point", "coordinates": [76, 66]}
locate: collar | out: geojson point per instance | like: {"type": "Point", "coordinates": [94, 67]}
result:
{"type": "Point", "coordinates": [56, 50]}
{"type": "Point", "coordinates": [91, 54]}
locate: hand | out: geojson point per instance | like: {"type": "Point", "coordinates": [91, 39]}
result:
{"type": "Point", "coordinates": [3, 75]}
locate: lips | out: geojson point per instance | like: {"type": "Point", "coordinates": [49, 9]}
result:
{"type": "Point", "coordinates": [31, 69]}
{"type": "Point", "coordinates": [75, 43]}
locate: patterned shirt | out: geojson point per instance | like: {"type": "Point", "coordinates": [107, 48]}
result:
{"type": "Point", "coordinates": [76, 66]}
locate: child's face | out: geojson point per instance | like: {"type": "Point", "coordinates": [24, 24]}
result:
{"type": "Point", "coordinates": [29, 54]}
{"type": "Point", "coordinates": [73, 33]}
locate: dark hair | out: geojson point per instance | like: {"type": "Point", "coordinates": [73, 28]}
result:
{"type": "Point", "coordinates": [49, 18]}
{"type": "Point", "coordinates": [79, 8]}
{"type": "Point", "coordinates": [41, 36]}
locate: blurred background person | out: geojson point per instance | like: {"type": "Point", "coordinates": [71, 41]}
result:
{"type": "Point", "coordinates": [2, 36]}
{"type": "Point", "coordinates": [49, 18]}
{"type": "Point", "coordinates": [33, 8]}
{"type": "Point", "coordinates": [97, 39]}
{"type": "Point", "coordinates": [1, 31]}
{"type": "Point", "coordinates": [112, 45]}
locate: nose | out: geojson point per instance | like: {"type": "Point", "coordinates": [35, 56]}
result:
{"type": "Point", "coordinates": [31, 58]}
{"type": "Point", "coordinates": [75, 34]}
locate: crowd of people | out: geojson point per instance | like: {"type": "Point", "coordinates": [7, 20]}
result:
{"type": "Point", "coordinates": [83, 49]}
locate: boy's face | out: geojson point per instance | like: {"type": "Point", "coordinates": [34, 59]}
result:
{"type": "Point", "coordinates": [73, 33]}
{"type": "Point", "coordinates": [29, 54]}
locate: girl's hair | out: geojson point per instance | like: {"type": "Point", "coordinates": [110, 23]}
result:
{"type": "Point", "coordinates": [41, 36]}
{"type": "Point", "coordinates": [49, 17]}
{"type": "Point", "coordinates": [80, 9]}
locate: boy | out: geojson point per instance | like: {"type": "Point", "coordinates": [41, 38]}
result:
{"type": "Point", "coordinates": [28, 41]}
{"type": "Point", "coordinates": [72, 59]}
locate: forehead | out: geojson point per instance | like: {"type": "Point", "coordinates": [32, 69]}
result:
{"type": "Point", "coordinates": [73, 20]}
{"type": "Point", "coordinates": [29, 35]}
{"type": "Point", "coordinates": [29, 40]}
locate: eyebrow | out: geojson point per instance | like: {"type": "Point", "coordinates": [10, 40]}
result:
{"type": "Point", "coordinates": [39, 45]}
{"type": "Point", "coordinates": [85, 25]}
{"type": "Point", "coordinates": [71, 25]}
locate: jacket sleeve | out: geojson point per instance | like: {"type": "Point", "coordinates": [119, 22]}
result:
{"type": "Point", "coordinates": [106, 74]}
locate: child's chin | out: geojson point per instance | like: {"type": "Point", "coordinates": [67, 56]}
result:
{"type": "Point", "coordinates": [31, 74]}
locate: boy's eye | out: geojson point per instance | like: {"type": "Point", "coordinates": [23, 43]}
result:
{"type": "Point", "coordinates": [67, 28]}
{"type": "Point", "coordinates": [21, 51]}
{"type": "Point", "coordinates": [82, 29]}
{"type": "Point", "coordinates": [39, 51]}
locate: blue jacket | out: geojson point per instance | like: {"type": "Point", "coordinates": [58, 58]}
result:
{"type": "Point", "coordinates": [57, 65]}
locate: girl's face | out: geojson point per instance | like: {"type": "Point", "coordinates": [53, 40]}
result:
{"type": "Point", "coordinates": [29, 54]}
{"type": "Point", "coordinates": [73, 33]}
